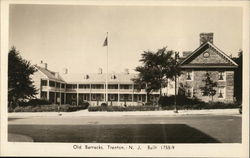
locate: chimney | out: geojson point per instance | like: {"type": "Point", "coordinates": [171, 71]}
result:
{"type": "Point", "coordinates": [126, 71]}
{"type": "Point", "coordinates": [204, 37]}
{"type": "Point", "coordinates": [65, 71]}
{"type": "Point", "coordinates": [43, 65]}
{"type": "Point", "coordinates": [100, 71]}
{"type": "Point", "coordinates": [57, 74]}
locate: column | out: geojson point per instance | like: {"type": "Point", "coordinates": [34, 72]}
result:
{"type": "Point", "coordinates": [48, 90]}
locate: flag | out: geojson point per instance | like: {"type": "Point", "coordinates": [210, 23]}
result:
{"type": "Point", "coordinates": [105, 43]}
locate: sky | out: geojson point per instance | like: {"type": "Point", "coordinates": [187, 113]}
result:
{"type": "Point", "coordinates": [68, 36]}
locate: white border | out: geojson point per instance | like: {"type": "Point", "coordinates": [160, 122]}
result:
{"type": "Point", "coordinates": [65, 149]}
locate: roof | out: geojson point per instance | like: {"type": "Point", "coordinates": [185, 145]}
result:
{"type": "Point", "coordinates": [113, 78]}
{"type": "Point", "coordinates": [50, 74]}
{"type": "Point", "coordinates": [187, 62]}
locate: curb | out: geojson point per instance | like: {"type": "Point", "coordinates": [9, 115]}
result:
{"type": "Point", "coordinates": [84, 113]}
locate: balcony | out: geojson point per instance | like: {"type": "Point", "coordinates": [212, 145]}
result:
{"type": "Point", "coordinates": [47, 88]}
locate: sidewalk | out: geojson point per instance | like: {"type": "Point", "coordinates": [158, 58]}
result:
{"type": "Point", "coordinates": [83, 113]}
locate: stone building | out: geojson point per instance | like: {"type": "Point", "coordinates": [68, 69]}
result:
{"type": "Point", "coordinates": [207, 59]}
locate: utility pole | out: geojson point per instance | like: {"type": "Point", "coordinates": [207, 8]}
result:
{"type": "Point", "coordinates": [175, 80]}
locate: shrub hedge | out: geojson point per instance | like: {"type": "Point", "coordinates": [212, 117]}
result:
{"type": "Point", "coordinates": [216, 105]}
{"type": "Point", "coordinates": [122, 108]}
{"type": "Point", "coordinates": [48, 108]}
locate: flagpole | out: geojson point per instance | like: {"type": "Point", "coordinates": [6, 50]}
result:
{"type": "Point", "coordinates": [107, 72]}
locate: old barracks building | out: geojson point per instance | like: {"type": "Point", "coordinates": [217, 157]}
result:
{"type": "Point", "coordinates": [68, 88]}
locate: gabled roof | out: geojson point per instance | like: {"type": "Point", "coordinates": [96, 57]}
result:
{"type": "Point", "coordinates": [95, 78]}
{"type": "Point", "coordinates": [186, 63]}
{"type": "Point", "coordinates": [50, 74]}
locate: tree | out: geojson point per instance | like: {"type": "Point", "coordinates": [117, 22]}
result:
{"type": "Point", "coordinates": [156, 68]}
{"type": "Point", "coordinates": [20, 85]}
{"type": "Point", "coordinates": [209, 88]}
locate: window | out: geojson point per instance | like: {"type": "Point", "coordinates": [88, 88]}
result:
{"type": "Point", "coordinates": [112, 97]}
{"type": "Point", "coordinates": [125, 86]}
{"type": "Point", "coordinates": [63, 85]}
{"type": "Point", "coordinates": [222, 76]}
{"type": "Point", "coordinates": [139, 97]}
{"type": "Point", "coordinates": [122, 97]}
{"type": "Point", "coordinates": [84, 86]}
{"type": "Point", "coordinates": [190, 92]}
{"type": "Point", "coordinates": [43, 82]}
{"type": "Point", "coordinates": [74, 86]}
{"type": "Point", "coordinates": [71, 86]}
{"type": "Point", "coordinates": [130, 97]}
{"type": "Point", "coordinates": [93, 96]}
{"type": "Point", "coordinates": [189, 75]}
{"type": "Point", "coordinates": [43, 95]}
{"type": "Point", "coordinates": [85, 97]}
{"type": "Point", "coordinates": [97, 86]}
{"type": "Point", "coordinates": [221, 92]}
{"type": "Point", "coordinates": [57, 85]}
{"type": "Point", "coordinates": [51, 83]}
{"type": "Point", "coordinates": [113, 86]}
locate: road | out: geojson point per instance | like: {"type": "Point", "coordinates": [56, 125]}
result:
{"type": "Point", "coordinates": [130, 129]}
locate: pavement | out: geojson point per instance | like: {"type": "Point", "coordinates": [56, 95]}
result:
{"type": "Point", "coordinates": [190, 128]}
{"type": "Point", "coordinates": [19, 138]}
{"type": "Point", "coordinates": [233, 112]}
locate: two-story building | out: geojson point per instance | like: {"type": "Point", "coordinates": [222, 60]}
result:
{"type": "Point", "coordinates": [70, 88]}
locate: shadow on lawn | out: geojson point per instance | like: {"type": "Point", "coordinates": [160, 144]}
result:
{"type": "Point", "coordinates": [131, 133]}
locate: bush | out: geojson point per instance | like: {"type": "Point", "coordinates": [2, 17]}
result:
{"type": "Point", "coordinates": [104, 105]}
{"type": "Point", "coordinates": [122, 108]}
{"type": "Point", "coordinates": [180, 100]}
{"type": "Point", "coordinates": [49, 108]}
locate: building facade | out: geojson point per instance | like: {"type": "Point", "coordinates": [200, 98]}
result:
{"type": "Point", "coordinates": [206, 60]}
{"type": "Point", "coordinates": [75, 89]}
